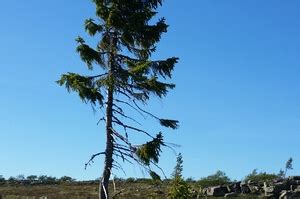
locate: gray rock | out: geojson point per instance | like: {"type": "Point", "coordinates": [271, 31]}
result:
{"type": "Point", "coordinates": [244, 188]}
{"type": "Point", "coordinates": [279, 186]}
{"type": "Point", "coordinates": [294, 187]}
{"type": "Point", "coordinates": [285, 195]}
{"type": "Point", "coordinates": [254, 188]}
{"type": "Point", "coordinates": [215, 191]}
{"type": "Point", "coordinates": [294, 178]}
{"type": "Point", "coordinates": [294, 182]}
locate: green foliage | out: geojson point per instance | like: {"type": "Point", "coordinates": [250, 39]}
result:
{"type": "Point", "coordinates": [84, 86]}
{"type": "Point", "coordinates": [47, 179]}
{"type": "Point", "coordinates": [128, 34]}
{"type": "Point", "coordinates": [124, 25]}
{"type": "Point", "coordinates": [151, 150]}
{"type": "Point", "coordinates": [219, 178]}
{"type": "Point", "coordinates": [130, 179]}
{"type": "Point", "coordinates": [177, 173]}
{"type": "Point", "coordinates": [260, 177]}
{"type": "Point", "coordinates": [169, 123]}
{"type": "Point", "coordinates": [144, 180]}
{"type": "Point", "coordinates": [179, 189]}
{"type": "Point", "coordinates": [11, 180]}
{"type": "Point", "coordinates": [32, 177]}
{"type": "Point", "coordinates": [66, 179]}
{"type": "Point", "coordinates": [288, 165]}
{"type": "Point", "coordinates": [20, 177]}
{"type": "Point", "coordinates": [190, 180]}
{"type": "Point", "coordinates": [281, 174]}
{"type": "Point", "coordinates": [2, 180]}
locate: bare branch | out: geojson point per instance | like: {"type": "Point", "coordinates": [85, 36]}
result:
{"type": "Point", "coordinates": [117, 193]}
{"type": "Point", "coordinates": [101, 119]}
{"type": "Point", "coordinates": [130, 127]}
{"type": "Point", "coordinates": [123, 102]}
{"type": "Point", "coordinates": [118, 166]}
{"type": "Point", "coordinates": [144, 110]}
{"type": "Point", "coordinates": [91, 160]}
{"type": "Point", "coordinates": [162, 171]}
{"type": "Point", "coordinates": [125, 140]}
{"type": "Point", "coordinates": [125, 116]}
{"type": "Point", "coordinates": [96, 76]}
{"type": "Point", "coordinates": [122, 155]}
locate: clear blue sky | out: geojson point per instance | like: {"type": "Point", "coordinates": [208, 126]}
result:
{"type": "Point", "coordinates": [237, 94]}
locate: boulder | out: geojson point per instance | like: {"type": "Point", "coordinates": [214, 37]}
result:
{"type": "Point", "coordinates": [269, 191]}
{"type": "Point", "coordinates": [297, 189]}
{"type": "Point", "coordinates": [294, 187]}
{"type": "Point", "coordinates": [235, 187]}
{"type": "Point", "coordinates": [216, 191]}
{"type": "Point", "coordinates": [285, 194]}
{"type": "Point", "coordinates": [294, 182]}
{"type": "Point", "coordinates": [254, 188]}
{"type": "Point", "coordinates": [275, 189]}
{"type": "Point", "coordinates": [204, 191]}
{"type": "Point", "coordinates": [290, 178]}
{"type": "Point", "coordinates": [244, 188]}
{"type": "Point", "coordinates": [279, 186]}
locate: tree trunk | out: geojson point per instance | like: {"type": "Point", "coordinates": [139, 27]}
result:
{"type": "Point", "coordinates": [104, 193]}
{"type": "Point", "coordinates": [109, 148]}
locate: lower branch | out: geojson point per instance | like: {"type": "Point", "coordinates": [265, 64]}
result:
{"type": "Point", "coordinates": [91, 160]}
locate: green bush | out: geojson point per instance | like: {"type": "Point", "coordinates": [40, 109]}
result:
{"type": "Point", "coordinates": [2, 180]}
{"type": "Point", "coordinates": [260, 177]}
{"type": "Point", "coordinates": [130, 180]}
{"type": "Point", "coordinates": [219, 178]}
{"type": "Point", "coordinates": [32, 178]}
{"type": "Point", "coordinates": [66, 179]}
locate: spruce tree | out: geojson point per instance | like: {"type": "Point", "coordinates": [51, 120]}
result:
{"type": "Point", "coordinates": [128, 78]}
{"type": "Point", "coordinates": [179, 188]}
{"type": "Point", "coordinates": [288, 165]}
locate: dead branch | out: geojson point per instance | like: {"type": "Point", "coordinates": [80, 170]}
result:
{"type": "Point", "coordinates": [91, 160]}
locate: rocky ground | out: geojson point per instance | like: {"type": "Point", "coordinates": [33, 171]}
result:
{"type": "Point", "coordinates": [279, 188]}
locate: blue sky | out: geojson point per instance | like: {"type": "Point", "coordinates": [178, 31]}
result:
{"type": "Point", "coordinates": [237, 94]}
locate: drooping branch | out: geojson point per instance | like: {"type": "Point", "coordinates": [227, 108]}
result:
{"type": "Point", "coordinates": [125, 140]}
{"type": "Point", "coordinates": [101, 119]}
{"type": "Point", "coordinates": [91, 160]}
{"type": "Point", "coordinates": [144, 110]}
{"type": "Point", "coordinates": [125, 116]}
{"type": "Point", "coordinates": [117, 121]}
{"type": "Point", "coordinates": [164, 122]}
{"type": "Point", "coordinates": [162, 171]}
{"type": "Point", "coordinates": [128, 104]}
{"type": "Point", "coordinates": [117, 165]}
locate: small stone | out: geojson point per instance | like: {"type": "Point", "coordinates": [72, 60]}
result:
{"type": "Point", "coordinates": [228, 195]}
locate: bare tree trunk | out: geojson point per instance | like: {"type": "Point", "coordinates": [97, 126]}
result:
{"type": "Point", "coordinates": [104, 194]}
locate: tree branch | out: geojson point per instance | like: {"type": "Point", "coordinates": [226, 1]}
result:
{"type": "Point", "coordinates": [91, 160]}
{"type": "Point", "coordinates": [130, 127]}
{"type": "Point", "coordinates": [144, 110]}
{"type": "Point", "coordinates": [123, 102]}
{"type": "Point", "coordinates": [96, 76]}
{"type": "Point", "coordinates": [125, 116]}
